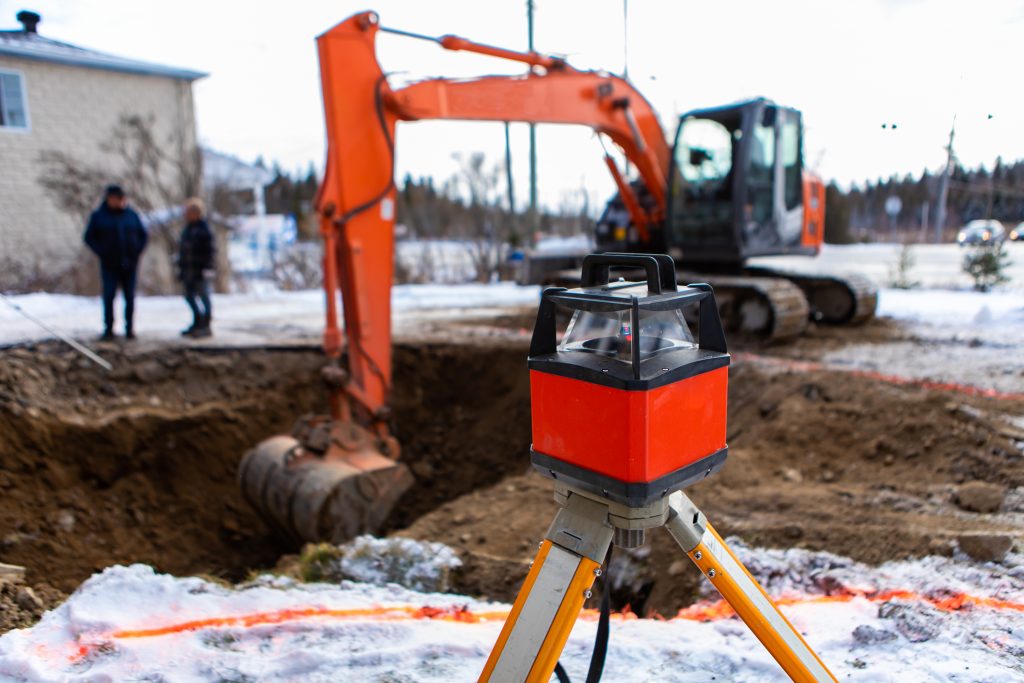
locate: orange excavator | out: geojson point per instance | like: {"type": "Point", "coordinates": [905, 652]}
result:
{"type": "Point", "coordinates": [733, 186]}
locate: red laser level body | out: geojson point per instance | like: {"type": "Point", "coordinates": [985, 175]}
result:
{"type": "Point", "coordinates": [629, 405]}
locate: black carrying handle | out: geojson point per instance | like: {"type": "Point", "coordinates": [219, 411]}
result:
{"type": "Point", "coordinates": [660, 269]}
{"type": "Point", "coordinates": [711, 335]}
{"type": "Point", "coordinates": [544, 340]}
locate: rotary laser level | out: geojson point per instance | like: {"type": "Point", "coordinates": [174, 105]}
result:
{"type": "Point", "coordinates": [628, 409]}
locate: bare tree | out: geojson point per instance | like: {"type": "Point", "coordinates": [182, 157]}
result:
{"type": "Point", "coordinates": [158, 175]}
{"type": "Point", "coordinates": [491, 228]}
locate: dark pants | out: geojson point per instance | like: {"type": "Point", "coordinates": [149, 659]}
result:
{"type": "Point", "coordinates": [198, 292]}
{"type": "Point", "coordinates": [112, 279]}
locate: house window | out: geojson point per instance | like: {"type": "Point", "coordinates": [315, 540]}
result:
{"type": "Point", "coordinates": [13, 107]}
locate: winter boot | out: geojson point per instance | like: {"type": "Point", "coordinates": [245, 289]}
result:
{"type": "Point", "coordinates": [202, 330]}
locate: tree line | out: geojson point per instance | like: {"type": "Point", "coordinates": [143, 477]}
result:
{"type": "Point", "coordinates": [470, 204]}
{"type": "Point", "coordinates": [859, 213]}
{"type": "Point", "coordinates": [473, 204]}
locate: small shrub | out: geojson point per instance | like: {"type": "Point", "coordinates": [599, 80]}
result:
{"type": "Point", "coordinates": [899, 272]}
{"type": "Point", "coordinates": [987, 265]}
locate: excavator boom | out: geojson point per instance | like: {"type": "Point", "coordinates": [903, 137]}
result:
{"type": "Point", "coordinates": [338, 475]}
{"type": "Point", "coordinates": [357, 199]}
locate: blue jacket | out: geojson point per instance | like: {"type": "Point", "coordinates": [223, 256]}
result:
{"type": "Point", "coordinates": [116, 237]}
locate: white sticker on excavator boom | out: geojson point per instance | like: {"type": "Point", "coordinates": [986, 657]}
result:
{"type": "Point", "coordinates": [387, 209]}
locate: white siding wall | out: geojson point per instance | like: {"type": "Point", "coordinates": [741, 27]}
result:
{"type": "Point", "coordinates": [73, 109]}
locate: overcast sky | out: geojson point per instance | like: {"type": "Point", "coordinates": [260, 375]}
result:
{"type": "Point", "coordinates": [849, 66]}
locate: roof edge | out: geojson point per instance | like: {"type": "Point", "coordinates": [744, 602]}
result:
{"type": "Point", "coordinates": [97, 61]}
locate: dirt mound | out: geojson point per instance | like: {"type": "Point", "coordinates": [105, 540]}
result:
{"type": "Point", "coordinates": [822, 460]}
{"type": "Point", "coordinates": [22, 606]}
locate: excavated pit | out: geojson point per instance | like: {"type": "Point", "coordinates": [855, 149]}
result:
{"type": "Point", "coordinates": [139, 465]}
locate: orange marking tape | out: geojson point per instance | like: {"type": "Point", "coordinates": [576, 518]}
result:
{"type": "Point", "coordinates": [460, 614]}
{"type": "Point", "coordinates": [809, 366]}
{"type": "Point", "coordinates": [720, 609]}
{"type": "Point", "coordinates": [705, 611]}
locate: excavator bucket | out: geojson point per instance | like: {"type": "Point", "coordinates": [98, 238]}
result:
{"type": "Point", "coordinates": [328, 481]}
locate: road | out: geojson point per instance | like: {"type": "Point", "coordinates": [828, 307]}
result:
{"type": "Point", "coordinates": [934, 265]}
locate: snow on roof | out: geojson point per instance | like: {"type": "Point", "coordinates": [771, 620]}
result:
{"type": "Point", "coordinates": [31, 45]}
{"type": "Point", "coordinates": [233, 173]}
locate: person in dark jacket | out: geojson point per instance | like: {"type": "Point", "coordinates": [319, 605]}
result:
{"type": "Point", "coordinates": [196, 266]}
{"type": "Point", "coordinates": [116, 235]}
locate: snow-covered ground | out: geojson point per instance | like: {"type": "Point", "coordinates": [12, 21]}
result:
{"type": "Point", "coordinates": [934, 619]}
{"type": "Point", "coordinates": [261, 316]}
{"type": "Point", "coordinates": [934, 265]}
{"type": "Point", "coordinates": [958, 336]}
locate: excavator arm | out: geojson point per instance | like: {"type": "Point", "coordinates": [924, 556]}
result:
{"type": "Point", "coordinates": [357, 199]}
{"type": "Point", "coordinates": [338, 475]}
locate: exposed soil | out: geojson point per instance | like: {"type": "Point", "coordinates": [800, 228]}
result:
{"type": "Point", "coordinates": [139, 465]}
{"type": "Point", "coordinates": [819, 460]}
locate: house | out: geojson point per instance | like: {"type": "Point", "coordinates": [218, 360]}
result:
{"type": "Point", "coordinates": [60, 99]}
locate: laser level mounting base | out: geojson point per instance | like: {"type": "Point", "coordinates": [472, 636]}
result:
{"type": "Point", "coordinates": [570, 558]}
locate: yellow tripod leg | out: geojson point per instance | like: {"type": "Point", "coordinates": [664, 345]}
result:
{"type": "Point", "coordinates": [705, 547]}
{"type": "Point", "coordinates": [552, 596]}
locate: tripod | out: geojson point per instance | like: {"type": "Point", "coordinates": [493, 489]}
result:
{"type": "Point", "coordinates": [570, 558]}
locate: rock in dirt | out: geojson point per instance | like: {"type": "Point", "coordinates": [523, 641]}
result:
{"type": "Point", "coordinates": [980, 496]}
{"type": "Point", "coordinates": [11, 573]}
{"type": "Point", "coordinates": [27, 599]}
{"type": "Point", "coordinates": [985, 547]}
{"type": "Point", "coordinates": [916, 623]}
{"type": "Point", "coordinates": [869, 635]}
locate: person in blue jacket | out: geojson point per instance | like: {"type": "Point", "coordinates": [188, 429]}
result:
{"type": "Point", "coordinates": [116, 235]}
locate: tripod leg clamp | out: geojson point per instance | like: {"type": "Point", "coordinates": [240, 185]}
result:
{"type": "Point", "coordinates": [552, 596]}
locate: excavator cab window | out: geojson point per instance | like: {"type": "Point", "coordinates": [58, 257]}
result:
{"type": "Point", "coordinates": [702, 183]}
{"type": "Point", "coordinates": [792, 159]}
{"type": "Point", "coordinates": [761, 171]}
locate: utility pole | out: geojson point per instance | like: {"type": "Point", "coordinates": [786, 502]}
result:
{"type": "Point", "coordinates": [508, 173]}
{"type": "Point", "coordinates": [534, 224]}
{"type": "Point", "coordinates": [940, 208]}
{"type": "Point", "coordinates": [625, 39]}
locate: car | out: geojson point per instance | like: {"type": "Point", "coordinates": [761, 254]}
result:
{"type": "Point", "coordinates": [981, 232]}
{"type": "Point", "coordinates": [1017, 234]}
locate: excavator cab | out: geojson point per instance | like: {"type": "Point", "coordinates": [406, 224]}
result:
{"type": "Point", "coordinates": [737, 190]}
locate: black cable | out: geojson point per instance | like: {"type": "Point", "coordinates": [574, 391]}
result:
{"type": "Point", "coordinates": [560, 673]}
{"type": "Point", "coordinates": [349, 215]}
{"type": "Point", "coordinates": [379, 104]}
{"type": "Point", "coordinates": [603, 625]}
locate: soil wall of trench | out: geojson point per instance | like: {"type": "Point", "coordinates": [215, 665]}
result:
{"type": "Point", "coordinates": [139, 465]}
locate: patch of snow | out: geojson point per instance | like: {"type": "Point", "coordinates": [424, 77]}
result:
{"type": "Point", "coordinates": [903, 639]}
{"type": "Point", "coordinates": [962, 337]}
{"type": "Point", "coordinates": [948, 314]}
{"type": "Point", "coordinates": [934, 265]}
{"type": "Point", "coordinates": [419, 565]}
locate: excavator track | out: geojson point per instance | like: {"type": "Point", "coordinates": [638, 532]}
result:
{"type": "Point", "coordinates": [769, 308]}
{"type": "Point", "coordinates": [846, 299]}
